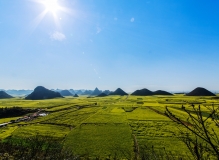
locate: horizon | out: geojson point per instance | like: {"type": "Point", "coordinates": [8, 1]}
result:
{"type": "Point", "coordinates": [168, 45]}
{"type": "Point", "coordinates": [171, 91]}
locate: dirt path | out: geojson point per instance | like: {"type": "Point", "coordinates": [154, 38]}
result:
{"type": "Point", "coordinates": [136, 147]}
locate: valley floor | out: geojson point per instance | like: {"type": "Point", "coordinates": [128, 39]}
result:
{"type": "Point", "coordinates": [103, 127]}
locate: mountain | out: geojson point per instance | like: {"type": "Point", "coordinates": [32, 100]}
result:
{"type": "Point", "coordinates": [4, 95]}
{"type": "Point", "coordinates": [102, 95]}
{"type": "Point", "coordinates": [18, 92]}
{"type": "Point", "coordinates": [143, 92]}
{"type": "Point", "coordinates": [56, 90]}
{"type": "Point", "coordinates": [160, 92]}
{"type": "Point", "coordinates": [78, 92]}
{"type": "Point", "coordinates": [41, 92]}
{"type": "Point", "coordinates": [87, 92]}
{"type": "Point", "coordinates": [96, 92]}
{"type": "Point", "coordinates": [65, 93]}
{"type": "Point", "coordinates": [76, 95]}
{"type": "Point", "coordinates": [118, 91]}
{"type": "Point", "coordinates": [199, 91]}
{"type": "Point", "coordinates": [107, 92]}
{"type": "Point", "coordinates": [72, 91]}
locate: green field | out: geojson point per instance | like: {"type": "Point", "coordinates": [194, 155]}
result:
{"type": "Point", "coordinates": [103, 127]}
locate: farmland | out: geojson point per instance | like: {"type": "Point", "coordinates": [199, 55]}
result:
{"type": "Point", "coordinates": [102, 127]}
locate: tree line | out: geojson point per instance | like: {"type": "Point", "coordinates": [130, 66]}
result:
{"type": "Point", "coordinates": [14, 112]}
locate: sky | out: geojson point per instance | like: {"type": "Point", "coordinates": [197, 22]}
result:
{"type": "Point", "coordinates": [132, 44]}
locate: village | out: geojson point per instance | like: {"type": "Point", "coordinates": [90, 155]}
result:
{"type": "Point", "coordinates": [29, 117]}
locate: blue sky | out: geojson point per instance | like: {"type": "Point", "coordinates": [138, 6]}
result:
{"type": "Point", "coordinates": [133, 44]}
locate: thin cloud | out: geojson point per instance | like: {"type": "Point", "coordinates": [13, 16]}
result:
{"type": "Point", "coordinates": [58, 36]}
{"type": "Point", "coordinates": [98, 30]}
{"type": "Point", "coordinates": [132, 19]}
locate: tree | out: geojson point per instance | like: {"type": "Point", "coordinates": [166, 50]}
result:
{"type": "Point", "coordinates": [199, 131]}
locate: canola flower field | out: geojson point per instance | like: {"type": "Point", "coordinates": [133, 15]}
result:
{"type": "Point", "coordinates": [104, 126]}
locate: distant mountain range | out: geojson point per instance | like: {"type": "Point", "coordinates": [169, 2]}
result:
{"type": "Point", "coordinates": [66, 93]}
{"type": "Point", "coordinates": [199, 91]}
{"type": "Point", "coordinates": [87, 92]}
{"type": "Point", "coordinates": [96, 92]}
{"type": "Point", "coordinates": [14, 92]}
{"type": "Point", "coordinates": [102, 95]}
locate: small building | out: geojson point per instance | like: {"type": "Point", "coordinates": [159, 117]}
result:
{"type": "Point", "coordinates": [43, 114]}
{"type": "Point", "coordinates": [3, 124]}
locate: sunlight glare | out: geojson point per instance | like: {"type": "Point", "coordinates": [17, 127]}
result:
{"type": "Point", "coordinates": [54, 8]}
{"type": "Point", "coordinates": [51, 5]}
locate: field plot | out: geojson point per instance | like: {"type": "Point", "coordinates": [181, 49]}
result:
{"type": "Point", "coordinates": [103, 127]}
{"type": "Point", "coordinates": [144, 113]}
{"type": "Point", "coordinates": [42, 129]}
{"type": "Point", "coordinates": [101, 140]}
{"type": "Point", "coordinates": [7, 131]}
{"type": "Point", "coordinates": [108, 115]}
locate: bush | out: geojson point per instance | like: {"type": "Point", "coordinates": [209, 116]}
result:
{"type": "Point", "coordinates": [34, 148]}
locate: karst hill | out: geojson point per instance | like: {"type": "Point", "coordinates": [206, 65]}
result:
{"type": "Point", "coordinates": [199, 91]}
{"type": "Point", "coordinates": [96, 92]}
{"type": "Point", "coordinates": [102, 95]}
{"type": "Point", "coordinates": [66, 93]}
{"type": "Point", "coordinates": [161, 92]}
{"type": "Point", "coordinates": [41, 92]}
{"type": "Point", "coordinates": [142, 92]}
{"type": "Point", "coordinates": [4, 95]}
{"type": "Point", "coordinates": [118, 91]}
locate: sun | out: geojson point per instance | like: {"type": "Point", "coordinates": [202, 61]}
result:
{"type": "Point", "coordinates": [51, 5]}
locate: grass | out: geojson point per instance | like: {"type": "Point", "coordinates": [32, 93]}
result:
{"type": "Point", "coordinates": [102, 127]}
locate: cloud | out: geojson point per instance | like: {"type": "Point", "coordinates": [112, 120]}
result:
{"type": "Point", "coordinates": [58, 36]}
{"type": "Point", "coordinates": [132, 19]}
{"type": "Point", "coordinates": [98, 30]}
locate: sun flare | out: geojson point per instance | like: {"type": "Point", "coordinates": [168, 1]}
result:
{"type": "Point", "coordinates": [51, 5]}
{"type": "Point", "coordinates": [52, 8]}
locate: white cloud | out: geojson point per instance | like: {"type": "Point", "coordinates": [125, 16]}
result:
{"type": "Point", "coordinates": [58, 36]}
{"type": "Point", "coordinates": [132, 19]}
